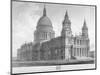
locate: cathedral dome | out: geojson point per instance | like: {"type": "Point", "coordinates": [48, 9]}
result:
{"type": "Point", "coordinates": [44, 20]}
{"type": "Point", "coordinates": [44, 30]}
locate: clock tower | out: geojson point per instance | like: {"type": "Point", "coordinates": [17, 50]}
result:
{"type": "Point", "coordinates": [66, 35]}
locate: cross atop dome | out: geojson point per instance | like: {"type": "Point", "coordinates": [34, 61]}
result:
{"type": "Point", "coordinates": [44, 11]}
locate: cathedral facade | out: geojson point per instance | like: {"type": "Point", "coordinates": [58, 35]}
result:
{"type": "Point", "coordinates": [48, 47]}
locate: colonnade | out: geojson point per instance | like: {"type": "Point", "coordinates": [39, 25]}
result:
{"type": "Point", "coordinates": [80, 42]}
{"type": "Point", "coordinates": [80, 52]}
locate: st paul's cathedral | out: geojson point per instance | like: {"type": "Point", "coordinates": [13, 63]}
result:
{"type": "Point", "coordinates": [48, 47]}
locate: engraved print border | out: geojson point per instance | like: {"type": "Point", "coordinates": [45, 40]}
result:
{"type": "Point", "coordinates": [59, 66]}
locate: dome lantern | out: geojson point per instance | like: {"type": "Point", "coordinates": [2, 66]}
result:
{"type": "Point", "coordinates": [44, 11]}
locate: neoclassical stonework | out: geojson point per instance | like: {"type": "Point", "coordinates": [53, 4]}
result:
{"type": "Point", "coordinates": [48, 47]}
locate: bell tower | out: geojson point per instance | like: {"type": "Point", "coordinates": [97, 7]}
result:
{"type": "Point", "coordinates": [66, 29]}
{"type": "Point", "coordinates": [66, 35]}
{"type": "Point", "coordinates": [86, 37]}
{"type": "Point", "coordinates": [85, 30]}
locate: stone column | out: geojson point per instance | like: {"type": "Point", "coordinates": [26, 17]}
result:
{"type": "Point", "coordinates": [86, 52]}
{"type": "Point", "coordinates": [82, 52]}
{"type": "Point", "coordinates": [79, 52]}
{"type": "Point", "coordinates": [76, 51]}
{"type": "Point", "coordinates": [43, 35]}
{"type": "Point", "coordinates": [79, 42]}
{"type": "Point", "coordinates": [73, 52]}
{"type": "Point", "coordinates": [46, 35]}
{"type": "Point", "coordinates": [50, 35]}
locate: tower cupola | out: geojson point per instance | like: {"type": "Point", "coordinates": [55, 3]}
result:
{"type": "Point", "coordinates": [66, 27]}
{"type": "Point", "coordinates": [85, 29]}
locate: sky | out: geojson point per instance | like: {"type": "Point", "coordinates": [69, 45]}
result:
{"type": "Point", "coordinates": [25, 16]}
